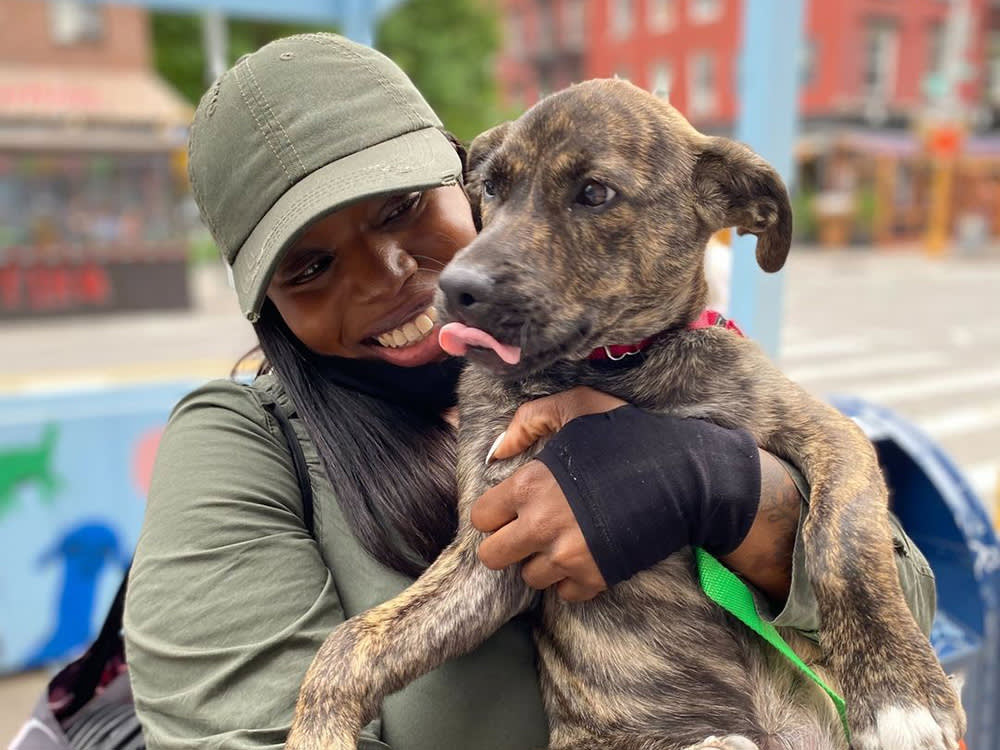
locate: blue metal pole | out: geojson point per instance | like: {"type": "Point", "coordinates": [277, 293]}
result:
{"type": "Point", "coordinates": [358, 19]}
{"type": "Point", "coordinates": [768, 99]}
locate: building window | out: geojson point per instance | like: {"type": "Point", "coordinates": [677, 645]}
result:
{"type": "Point", "coordinates": [75, 21]}
{"type": "Point", "coordinates": [574, 23]}
{"type": "Point", "coordinates": [703, 96]}
{"type": "Point", "coordinates": [546, 39]}
{"type": "Point", "coordinates": [993, 67]}
{"type": "Point", "coordinates": [810, 60]}
{"type": "Point", "coordinates": [621, 18]}
{"type": "Point", "coordinates": [661, 15]}
{"type": "Point", "coordinates": [935, 48]}
{"type": "Point", "coordinates": [661, 78]}
{"type": "Point", "coordinates": [881, 50]}
{"type": "Point", "coordinates": [704, 11]}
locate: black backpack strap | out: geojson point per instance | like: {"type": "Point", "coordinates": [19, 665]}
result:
{"type": "Point", "coordinates": [299, 463]}
{"type": "Point", "coordinates": [101, 652]}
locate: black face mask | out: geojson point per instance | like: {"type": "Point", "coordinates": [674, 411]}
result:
{"type": "Point", "coordinates": [429, 388]}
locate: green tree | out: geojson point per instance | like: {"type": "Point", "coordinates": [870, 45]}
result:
{"type": "Point", "coordinates": [448, 47]}
{"type": "Point", "coordinates": [180, 59]}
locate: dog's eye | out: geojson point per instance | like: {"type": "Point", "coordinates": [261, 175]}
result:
{"type": "Point", "coordinates": [489, 189]}
{"type": "Point", "coordinates": [594, 194]}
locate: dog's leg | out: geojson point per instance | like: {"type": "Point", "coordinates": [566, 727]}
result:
{"type": "Point", "coordinates": [898, 696]}
{"type": "Point", "coordinates": [452, 608]}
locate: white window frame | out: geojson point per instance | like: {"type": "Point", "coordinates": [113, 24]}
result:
{"type": "Point", "coordinates": [702, 103]}
{"type": "Point", "coordinates": [622, 18]}
{"type": "Point", "coordinates": [661, 77]}
{"type": "Point", "coordinates": [705, 11]}
{"type": "Point", "coordinates": [661, 15]}
{"type": "Point", "coordinates": [885, 35]}
{"type": "Point", "coordinates": [75, 21]}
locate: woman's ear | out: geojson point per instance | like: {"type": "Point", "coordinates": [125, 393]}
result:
{"type": "Point", "coordinates": [737, 188]}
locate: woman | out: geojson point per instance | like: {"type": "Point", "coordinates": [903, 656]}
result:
{"type": "Point", "coordinates": [335, 198]}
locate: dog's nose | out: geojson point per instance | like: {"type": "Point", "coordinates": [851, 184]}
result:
{"type": "Point", "coordinates": [466, 289]}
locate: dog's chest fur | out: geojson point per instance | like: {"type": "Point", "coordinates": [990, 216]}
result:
{"type": "Point", "coordinates": [622, 664]}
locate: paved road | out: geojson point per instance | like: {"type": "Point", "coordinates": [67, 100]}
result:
{"type": "Point", "coordinates": [918, 335]}
{"type": "Point", "coordinates": [914, 334]}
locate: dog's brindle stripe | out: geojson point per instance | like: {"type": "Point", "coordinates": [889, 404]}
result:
{"type": "Point", "coordinates": [649, 664]}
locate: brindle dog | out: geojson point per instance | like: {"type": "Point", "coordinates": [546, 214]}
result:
{"type": "Point", "coordinates": [596, 206]}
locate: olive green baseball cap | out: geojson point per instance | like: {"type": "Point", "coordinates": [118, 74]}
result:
{"type": "Point", "coordinates": [301, 127]}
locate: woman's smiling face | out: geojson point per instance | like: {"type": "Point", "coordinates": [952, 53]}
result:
{"type": "Point", "coordinates": [359, 283]}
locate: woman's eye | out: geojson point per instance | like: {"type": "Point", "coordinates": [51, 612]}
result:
{"type": "Point", "coordinates": [312, 270]}
{"type": "Point", "coordinates": [403, 206]}
{"type": "Point", "coordinates": [595, 194]}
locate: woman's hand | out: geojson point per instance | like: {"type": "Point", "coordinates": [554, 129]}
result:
{"type": "Point", "coordinates": [684, 482]}
{"type": "Point", "coordinates": [546, 416]}
{"type": "Point", "coordinates": [527, 515]}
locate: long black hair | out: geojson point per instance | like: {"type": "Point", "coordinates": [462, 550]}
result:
{"type": "Point", "coordinates": [392, 467]}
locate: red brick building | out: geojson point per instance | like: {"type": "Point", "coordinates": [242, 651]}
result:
{"type": "Point", "coordinates": [865, 61]}
{"type": "Point", "coordinates": [91, 141]}
{"type": "Point", "coordinates": [870, 71]}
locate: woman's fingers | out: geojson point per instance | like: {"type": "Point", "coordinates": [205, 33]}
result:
{"type": "Point", "coordinates": [547, 415]}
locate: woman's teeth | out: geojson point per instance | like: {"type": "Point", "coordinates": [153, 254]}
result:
{"type": "Point", "coordinates": [410, 332]}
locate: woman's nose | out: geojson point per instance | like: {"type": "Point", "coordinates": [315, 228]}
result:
{"type": "Point", "coordinates": [389, 267]}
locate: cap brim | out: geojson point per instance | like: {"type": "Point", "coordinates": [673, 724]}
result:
{"type": "Point", "coordinates": [413, 161]}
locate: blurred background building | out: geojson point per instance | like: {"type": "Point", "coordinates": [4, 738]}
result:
{"type": "Point", "coordinates": [91, 179]}
{"type": "Point", "coordinates": [876, 78]}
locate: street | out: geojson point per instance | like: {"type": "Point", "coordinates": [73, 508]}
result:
{"type": "Point", "coordinates": [918, 335]}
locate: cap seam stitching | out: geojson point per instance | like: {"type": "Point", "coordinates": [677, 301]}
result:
{"type": "Point", "coordinates": [260, 126]}
{"type": "Point", "coordinates": [384, 82]}
{"type": "Point", "coordinates": [267, 106]}
{"type": "Point", "coordinates": [199, 194]}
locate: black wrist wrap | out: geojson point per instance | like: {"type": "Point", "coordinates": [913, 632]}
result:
{"type": "Point", "coordinates": [643, 485]}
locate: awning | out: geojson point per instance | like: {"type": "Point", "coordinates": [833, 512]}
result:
{"type": "Point", "coordinates": [58, 107]}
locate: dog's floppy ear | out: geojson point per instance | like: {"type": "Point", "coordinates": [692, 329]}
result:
{"type": "Point", "coordinates": [737, 188]}
{"type": "Point", "coordinates": [480, 150]}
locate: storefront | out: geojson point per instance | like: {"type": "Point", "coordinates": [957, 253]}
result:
{"type": "Point", "coordinates": [92, 191]}
{"type": "Point", "coordinates": [864, 186]}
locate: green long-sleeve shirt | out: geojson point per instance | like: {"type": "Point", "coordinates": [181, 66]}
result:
{"type": "Point", "coordinates": [230, 598]}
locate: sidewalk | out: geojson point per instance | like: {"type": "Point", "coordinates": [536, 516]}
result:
{"type": "Point", "coordinates": [17, 697]}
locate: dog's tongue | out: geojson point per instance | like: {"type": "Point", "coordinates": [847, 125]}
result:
{"type": "Point", "coordinates": [456, 338]}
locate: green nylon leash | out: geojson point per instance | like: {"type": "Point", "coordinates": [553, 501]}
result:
{"type": "Point", "coordinates": [725, 588]}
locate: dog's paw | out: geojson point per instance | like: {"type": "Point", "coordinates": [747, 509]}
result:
{"type": "Point", "coordinates": [729, 742]}
{"type": "Point", "coordinates": [911, 727]}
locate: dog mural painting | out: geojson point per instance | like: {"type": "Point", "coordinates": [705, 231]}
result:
{"type": "Point", "coordinates": [28, 464]}
{"type": "Point", "coordinates": [82, 554]}
{"type": "Point", "coordinates": [74, 470]}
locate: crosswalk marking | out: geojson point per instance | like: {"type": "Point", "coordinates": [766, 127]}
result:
{"type": "Point", "coordinates": [825, 347]}
{"type": "Point", "coordinates": [962, 420]}
{"type": "Point", "coordinates": [867, 366]}
{"type": "Point", "coordinates": [934, 386]}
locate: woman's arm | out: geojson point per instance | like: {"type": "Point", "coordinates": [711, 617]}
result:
{"type": "Point", "coordinates": [228, 599]}
{"type": "Point", "coordinates": [764, 557]}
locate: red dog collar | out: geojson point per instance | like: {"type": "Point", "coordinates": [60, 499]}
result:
{"type": "Point", "coordinates": [708, 319]}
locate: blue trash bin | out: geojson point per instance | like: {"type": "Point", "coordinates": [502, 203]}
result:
{"type": "Point", "coordinates": [950, 525]}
